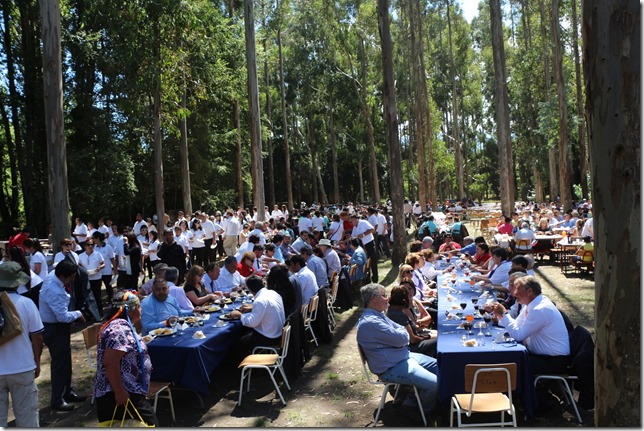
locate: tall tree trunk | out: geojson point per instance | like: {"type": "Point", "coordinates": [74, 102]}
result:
{"type": "Point", "coordinates": [54, 122]}
{"type": "Point", "coordinates": [158, 146]}
{"type": "Point", "coordinates": [552, 162]}
{"type": "Point", "coordinates": [456, 138]}
{"type": "Point", "coordinates": [310, 138]}
{"type": "Point", "coordinates": [502, 108]}
{"type": "Point", "coordinates": [8, 205]}
{"type": "Point", "coordinates": [239, 178]}
{"type": "Point", "coordinates": [564, 156]}
{"type": "Point", "coordinates": [583, 155]}
{"type": "Point", "coordinates": [13, 145]}
{"type": "Point", "coordinates": [360, 181]}
{"type": "Point", "coordinates": [257, 164]}
{"type": "Point", "coordinates": [287, 151]}
{"type": "Point", "coordinates": [185, 164]}
{"type": "Point", "coordinates": [612, 68]}
{"type": "Point", "coordinates": [393, 143]}
{"type": "Point", "coordinates": [332, 143]}
{"type": "Point", "coordinates": [269, 138]}
{"type": "Point", "coordinates": [418, 75]}
{"type": "Point", "coordinates": [373, 173]}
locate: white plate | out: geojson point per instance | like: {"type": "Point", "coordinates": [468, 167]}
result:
{"type": "Point", "coordinates": [162, 332]}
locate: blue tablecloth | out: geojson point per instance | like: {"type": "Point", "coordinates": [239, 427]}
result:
{"type": "Point", "coordinates": [188, 362]}
{"type": "Point", "coordinates": [452, 356]}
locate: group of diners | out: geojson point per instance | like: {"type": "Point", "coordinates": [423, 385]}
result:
{"type": "Point", "coordinates": [397, 329]}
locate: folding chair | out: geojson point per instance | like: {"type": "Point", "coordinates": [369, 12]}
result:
{"type": "Point", "coordinates": [270, 362]}
{"type": "Point", "coordinates": [330, 299]}
{"type": "Point", "coordinates": [366, 270]}
{"type": "Point", "coordinates": [525, 243]}
{"type": "Point", "coordinates": [486, 385]}
{"type": "Point", "coordinates": [585, 265]}
{"type": "Point", "coordinates": [353, 271]}
{"type": "Point", "coordinates": [310, 313]}
{"type": "Point", "coordinates": [161, 390]}
{"type": "Point", "coordinates": [387, 385]}
{"type": "Point", "coordinates": [90, 337]}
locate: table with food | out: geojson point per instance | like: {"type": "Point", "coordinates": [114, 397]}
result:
{"type": "Point", "coordinates": [466, 334]}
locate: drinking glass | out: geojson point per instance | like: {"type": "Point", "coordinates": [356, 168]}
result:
{"type": "Point", "coordinates": [468, 323]}
{"type": "Point", "coordinates": [472, 282]}
{"type": "Point", "coordinates": [487, 319]}
{"type": "Point", "coordinates": [476, 309]}
{"type": "Point", "coordinates": [181, 321]}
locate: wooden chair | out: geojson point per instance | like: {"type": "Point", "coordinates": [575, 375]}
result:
{"type": "Point", "coordinates": [587, 262]}
{"type": "Point", "coordinates": [353, 271]}
{"type": "Point", "coordinates": [90, 338]}
{"type": "Point", "coordinates": [271, 362]}
{"type": "Point", "coordinates": [387, 385]}
{"type": "Point", "coordinates": [522, 246]}
{"type": "Point", "coordinates": [366, 271]}
{"type": "Point", "coordinates": [330, 299]}
{"type": "Point", "coordinates": [309, 314]}
{"type": "Point", "coordinates": [487, 385]}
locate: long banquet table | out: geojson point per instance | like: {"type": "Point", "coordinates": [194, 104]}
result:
{"type": "Point", "coordinates": [452, 355]}
{"type": "Point", "coordinates": [188, 362]}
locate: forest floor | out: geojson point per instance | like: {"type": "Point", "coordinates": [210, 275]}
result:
{"type": "Point", "coordinates": [331, 391]}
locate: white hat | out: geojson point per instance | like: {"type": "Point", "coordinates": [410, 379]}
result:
{"type": "Point", "coordinates": [325, 242]}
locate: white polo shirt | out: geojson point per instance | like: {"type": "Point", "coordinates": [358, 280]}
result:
{"type": "Point", "coordinates": [91, 262]}
{"type": "Point", "coordinates": [363, 226]}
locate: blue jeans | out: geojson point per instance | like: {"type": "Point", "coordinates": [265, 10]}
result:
{"type": "Point", "coordinates": [418, 370]}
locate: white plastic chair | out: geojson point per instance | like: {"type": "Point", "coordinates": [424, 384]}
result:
{"type": "Point", "coordinates": [309, 314]}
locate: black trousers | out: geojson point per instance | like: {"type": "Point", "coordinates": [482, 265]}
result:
{"type": "Point", "coordinates": [200, 256]}
{"type": "Point", "coordinates": [210, 253]}
{"type": "Point", "coordinates": [370, 249]}
{"type": "Point", "coordinates": [108, 287]}
{"type": "Point", "coordinates": [95, 285]}
{"type": "Point", "coordinates": [57, 339]}
{"type": "Point", "coordinates": [105, 409]}
{"type": "Point", "coordinates": [383, 241]}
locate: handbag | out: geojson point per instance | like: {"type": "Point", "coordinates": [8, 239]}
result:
{"type": "Point", "coordinates": [126, 423]}
{"type": "Point", "coordinates": [12, 323]}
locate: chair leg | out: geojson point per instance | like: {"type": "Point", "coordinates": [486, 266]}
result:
{"type": "Point", "coordinates": [571, 400]}
{"type": "Point", "coordinates": [277, 388]}
{"type": "Point", "coordinates": [248, 376]}
{"type": "Point", "coordinates": [284, 377]}
{"type": "Point", "coordinates": [156, 400]}
{"type": "Point", "coordinates": [420, 406]}
{"type": "Point", "coordinates": [241, 385]}
{"type": "Point", "coordinates": [381, 405]}
{"type": "Point", "coordinates": [169, 397]}
{"type": "Point", "coordinates": [313, 334]}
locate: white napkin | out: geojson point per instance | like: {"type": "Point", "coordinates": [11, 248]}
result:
{"type": "Point", "coordinates": [184, 326]}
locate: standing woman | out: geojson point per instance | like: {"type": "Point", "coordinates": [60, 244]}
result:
{"type": "Point", "coordinates": [144, 240]}
{"type": "Point", "coordinates": [132, 251]}
{"type": "Point", "coordinates": [123, 363]}
{"type": "Point", "coordinates": [153, 248]}
{"type": "Point", "coordinates": [336, 229]}
{"type": "Point", "coordinates": [37, 262]}
{"type": "Point", "coordinates": [109, 258]}
{"type": "Point", "coordinates": [93, 262]}
{"type": "Point", "coordinates": [244, 234]}
{"type": "Point", "coordinates": [199, 251]}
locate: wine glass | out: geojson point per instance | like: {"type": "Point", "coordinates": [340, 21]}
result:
{"type": "Point", "coordinates": [475, 300]}
{"type": "Point", "coordinates": [454, 275]}
{"type": "Point", "coordinates": [487, 319]}
{"type": "Point", "coordinates": [463, 306]}
{"type": "Point", "coordinates": [476, 309]}
{"type": "Point", "coordinates": [181, 320]}
{"type": "Point", "coordinates": [173, 324]}
{"type": "Point", "coordinates": [472, 282]}
{"type": "Point", "coordinates": [468, 323]}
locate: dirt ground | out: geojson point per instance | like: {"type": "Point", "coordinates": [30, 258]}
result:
{"type": "Point", "coordinates": [332, 390]}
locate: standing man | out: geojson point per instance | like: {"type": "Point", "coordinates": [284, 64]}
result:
{"type": "Point", "coordinates": [57, 319]}
{"type": "Point", "coordinates": [209, 231]}
{"type": "Point", "coordinates": [139, 222]}
{"type": "Point", "coordinates": [382, 241]}
{"type": "Point", "coordinates": [363, 230]}
{"type": "Point", "coordinates": [231, 228]}
{"type": "Point", "coordinates": [80, 232]}
{"type": "Point", "coordinates": [385, 345]}
{"type": "Point", "coordinates": [171, 253]}
{"type": "Point", "coordinates": [18, 376]}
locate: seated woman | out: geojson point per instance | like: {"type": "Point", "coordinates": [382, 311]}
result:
{"type": "Point", "coordinates": [544, 227]}
{"type": "Point", "coordinates": [195, 290]}
{"type": "Point", "coordinates": [398, 311]}
{"type": "Point", "coordinates": [423, 316]}
{"type": "Point", "coordinates": [124, 365]}
{"type": "Point", "coordinates": [481, 256]}
{"type": "Point", "coordinates": [423, 287]}
{"type": "Point", "coordinates": [245, 266]}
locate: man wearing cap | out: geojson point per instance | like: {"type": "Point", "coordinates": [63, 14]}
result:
{"type": "Point", "coordinates": [315, 264]}
{"type": "Point", "coordinates": [363, 230]}
{"type": "Point", "coordinates": [330, 257]}
{"type": "Point", "coordinates": [57, 319]}
{"type": "Point", "coordinates": [18, 376]}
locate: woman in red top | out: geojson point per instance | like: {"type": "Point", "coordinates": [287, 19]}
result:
{"type": "Point", "coordinates": [506, 227]}
{"type": "Point", "coordinates": [482, 254]}
{"type": "Point", "coordinates": [245, 267]}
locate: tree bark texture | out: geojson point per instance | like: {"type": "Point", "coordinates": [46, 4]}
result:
{"type": "Point", "coordinates": [373, 165]}
{"type": "Point", "coordinates": [185, 163]}
{"type": "Point", "coordinates": [502, 109]}
{"type": "Point", "coordinates": [612, 67]}
{"type": "Point", "coordinates": [54, 122]}
{"type": "Point", "coordinates": [239, 179]}
{"type": "Point", "coordinates": [583, 153]}
{"type": "Point", "coordinates": [565, 192]}
{"type": "Point", "coordinates": [547, 79]}
{"type": "Point", "coordinates": [393, 143]}
{"type": "Point", "coordinates": [158, 146]}
{"type": "Point", "coordinates": [456, 138]}
{"type": "Point", "coordinates": [269, 142]}
{"type": "Point", "coordinates": [257, 164]}
{"type": "Point", "coordinates": [287, 152]}
{"type": "Point", "coordinates": [332, 143]}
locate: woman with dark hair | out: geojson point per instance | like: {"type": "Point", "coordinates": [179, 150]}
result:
{"type": "Point", "coordinates": [153, 257]}
{"type": "Point", "coordinates": [197, 241]}
{"type": "Point", "coordinates": [195, 290]}
{"type": "Point", "coordinates": [144, 241]}
{"type": "Point", "coordinates": [109, 258]}
{"type": "Point", "coordinates": [38, 261]}
{"type": "Point", "coordinates": [93, 262]}
{"type": "Point", "coordinates": [418, 312]}
{"type": "Point", "coordinates": [279, 281]}
{"type": "Point", "coordinates": [123, 363]}
{"type": "Point", "coordinates": [398, 311]}
{"type": "Point", "coordinates": [132, 251]}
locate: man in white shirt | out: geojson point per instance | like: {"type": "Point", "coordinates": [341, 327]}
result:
{"type": "Point", "coordinates": [363, 230]}
{"type": "Point", "coordinates": [330, 257]}
{"type": "Point", "coordinates": [301, 241]}
{"type": "Point", "coordinates": [587, 230]}
{"type": "Point", "coordinates": [305, 224]}
{"type": "Point", "coordinates": [522, 235]}
{"type": "Point", "coordinates": [231, 228]}
{"type": "Point", "coordinates": [277, 213]}
{"type": "Point", "coordinates": [539, 326]}
{"type": "Point", "coordinates": [171, 276]}
{"type": "Point", "coordinates": [138, 224]}
{"type": "Point", "coordinates": [247, 246]}
{"type": "Point", "coordinates": [229, 279]}
{"type": "Point", "coordinates": [265, 317]}
{"type": "Point", "coordinates": [304, 275]}
{"type": "Point", "coordinates": [318, 222]}
{"type": "Point", "coordinates": [80, 232]}
{"type": "Point", "coordinates": [259, 232]}
{"type": "Point", "coordinates": [210, 278]}
{"type": "Point", "coordinates": [382, 229]}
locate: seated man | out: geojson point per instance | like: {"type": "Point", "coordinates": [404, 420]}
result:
{"type": "Point", "coordinates": [315, 264]}
{"type": "Point", "coordinates": [210, 278]}
{"type": "Point", "coordinates": [469, 246]}
{"type": "Point", "coordinates": [359, 257]}
{"type": "Point", "coordinates": [386, 348]}
{"type": "Point", "coordinates": [159, 272]}
{"type": "Point", "coordinates": [285, 247]}
{"type": "Point", "coordinates": [265, 317]}
{"type": "Point", "coordinates": [171, 276]}
{"type": "Point", "coordinates": [247, 246]}
{"type": "Point", "coordinates": [582, 255]}
{"type": "Point", "coordinates": [539, 326]}
{"type": "Point", "coordinates": [229, 278]}
{"type": "Point", "coordinates": [305, 277]}
{"type": "Point", "coordinates": [159, 309]}
{"type": "Point", "coordinates": [330, 257]}
{"type": "Point", "coordinates": [301, 241]}
{"type": "Point", "coordinates": [522, 235]}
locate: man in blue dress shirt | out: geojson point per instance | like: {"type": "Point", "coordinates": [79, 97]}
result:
{"type": "Point", "coordinates": [160, 309]}
{"type": "Point", "coordinates": [385, 344]}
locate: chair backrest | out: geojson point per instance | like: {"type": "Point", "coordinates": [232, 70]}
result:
{"type": "Point", "coordinates": [353, 270]}
{"type": "Point", "coordinates": [333, 293]}
{"type": "Point", "coordinates": [365, 368]}
{"type": "Point", "coordinates": [587, 256]}
{"type": "Point", "coordinates": [484, 378]}
{"type": "Point", "coordinates": [523, 243]}
{"type": "Point", "coordinates": [313, 307]}
{"type": "Point", "coordinates": [90, 337]}
{"type": "Point", "coordinates": [367, 266]}
{"type": "Point", "coordinates": [334, 276]}
{"type": "Point", "coordinates": [286, 336]}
